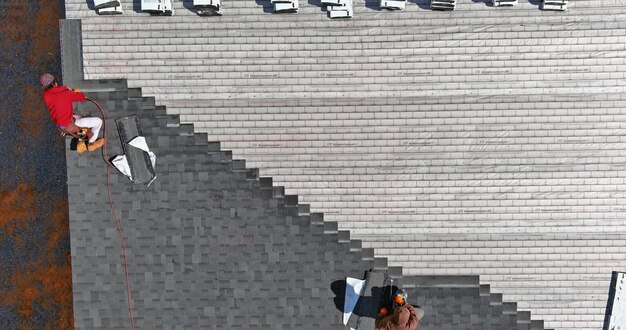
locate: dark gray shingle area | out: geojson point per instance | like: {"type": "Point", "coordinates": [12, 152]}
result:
{"type": "Point", "coordinates": [210, 245]}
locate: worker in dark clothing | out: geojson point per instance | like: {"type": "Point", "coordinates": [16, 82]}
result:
{"type": "Point", "coordinates": [59, 101]}
{"type": "Point", "coordinates": [404, 316]}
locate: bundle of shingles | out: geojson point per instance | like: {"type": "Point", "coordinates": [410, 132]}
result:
{"type": "Point", "coordinates": [338, 8]}
{"type": "Point", "coordinates": [503, 3]}
{"type": "Point", "coordinates": [208, 7]}
{"type": "Point", "coordinates": [157, 7]}
{"type": "Point", "coordinates": [363, 298]}
{"type": "Point", "coordinates": [285, 6]}
{"type": "Point", "coordinates": [442, 4]}
{"type": "Point", "coordinates": [560, 5]}
{"type": "Point", "coordinates": [108, 7]}
{"type": "Point", "coordinates": [392, 4]}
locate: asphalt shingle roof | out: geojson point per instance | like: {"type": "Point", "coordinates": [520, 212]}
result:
{"type": "Point", "coordinates": [211, 245]}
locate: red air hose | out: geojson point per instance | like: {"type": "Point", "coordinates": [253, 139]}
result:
{"type": "Point", "coordinates": [118, 224]}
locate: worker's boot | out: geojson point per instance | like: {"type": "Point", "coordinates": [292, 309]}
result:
{"type": "Point", "coordinates": [81, 147]}
{"type": "Point", "coordinates": [96, 144]}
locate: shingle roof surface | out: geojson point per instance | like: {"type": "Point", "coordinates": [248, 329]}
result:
{"type": "Point", "coordinates": [484, 140]}
{"type": "Point", "coordinates": [211, 246]}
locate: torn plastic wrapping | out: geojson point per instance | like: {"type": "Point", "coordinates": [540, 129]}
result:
{"type": "Point", "coordinates": [121, 162]}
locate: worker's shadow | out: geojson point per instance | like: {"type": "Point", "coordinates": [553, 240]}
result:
{"type": "Point", "coordinates": [366, 306]}
{"type": "Point", "coordinates": [317, 3]}
{"type": "Point", "coordinates": [373, 5]}
{"type": "Point", "coordinates": [266, 5]}
{"type": "Point", "coordinates": [423, 4]}
{"type": "Point", "coordinates": [339, 289]}
{"type": "Point", "coordinates": [485, 2]}
{"type": "Point", "coordinates": [188, 4]}
{"type": "Point", "coordinates": [137, 6]}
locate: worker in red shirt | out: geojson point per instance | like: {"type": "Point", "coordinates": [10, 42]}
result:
{"type": "Point", "coordinates": [59, 102]}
